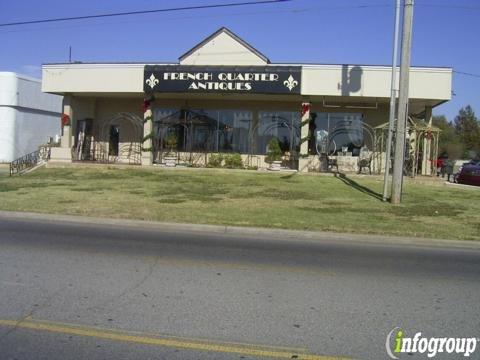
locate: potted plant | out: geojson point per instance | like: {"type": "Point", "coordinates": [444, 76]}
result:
{"type": "Point", "coordinates": [171, 157]}
{"type": "Point", "coordinates": [274, 155]}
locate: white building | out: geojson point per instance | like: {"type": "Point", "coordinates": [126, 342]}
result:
{"type": "Point", "coordinates": [223, 95]}
{"type": "Point", "coordinates": [27, 116]}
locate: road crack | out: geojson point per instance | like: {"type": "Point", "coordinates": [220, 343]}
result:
{"type": "Point", "coordinates": [34, 308]}
{"type": "Point", "coordinates": [130, 288]}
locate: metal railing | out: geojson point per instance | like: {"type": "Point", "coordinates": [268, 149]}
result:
{"type": "Point", "coordinates": [30, 160]}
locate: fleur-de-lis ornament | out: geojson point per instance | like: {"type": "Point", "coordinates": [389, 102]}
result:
{"type": "Point", "coordinates": [152, 81]}
{"type": "Point", "coordinates": [290, 83]}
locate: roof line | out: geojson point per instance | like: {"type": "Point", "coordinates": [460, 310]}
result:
{"type": "Point", "coordinates": [223, 29]}
{"type": "Point", "coordinates": [20, 76]}
{"type": "Point", "coordinates": [269, 64]}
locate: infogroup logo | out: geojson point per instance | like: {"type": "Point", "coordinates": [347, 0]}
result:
{"type": "Point", "coordinates": [429, 346]}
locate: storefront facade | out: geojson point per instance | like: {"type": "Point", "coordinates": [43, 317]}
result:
{"type": "Point", "coordinates": [225, 96]}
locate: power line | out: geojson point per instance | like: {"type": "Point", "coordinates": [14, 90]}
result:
{"type": "Point", "coordinates": [449, 6]}
{"type": "Point", "coordinates": [360, 6]}
{"type": "Point", "coordinates": [293, 11]}
{"type": "Point", "coordinates": [466, 73]}
{"type": "Point", "coordinates": [199, 7]}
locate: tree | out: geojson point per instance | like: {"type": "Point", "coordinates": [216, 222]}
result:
{"type": "Point", "coordinates": [449, 141]}
{"type": "Point", "coordinates": [467, 127]}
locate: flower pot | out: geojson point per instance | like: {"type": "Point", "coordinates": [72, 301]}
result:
{"type": "Point", "coordinates": [275, 166]}
{"type": "Point", "coordinates": [170, 161]}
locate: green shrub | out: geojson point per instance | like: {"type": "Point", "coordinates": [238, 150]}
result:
{"type": "Point", "coordinates": [215, 160]}
{"type": "Point", "coordinates": [171, 142]}
{"type": "Point", "coordinates": [233, 161]}
{"type": "Point", "coordinates": [274, 151]}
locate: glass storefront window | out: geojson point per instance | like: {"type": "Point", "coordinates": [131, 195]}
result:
{"type": "Point", "coordinates": [224, 130]}
{"type": "Point", "coordinates": [204, 130]}
{"type": "Point", "coordinates": [168, 123]}
{"type": "Point", "coordinates": [233, 131]}
{"type": "Point", "coordinates": [201, 126]}
{"type": "Point", "coordinates": [283, 125]}
{"type": "Point", "coordinates": [345, 132]}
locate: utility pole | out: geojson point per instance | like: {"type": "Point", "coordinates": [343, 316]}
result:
{"type": "Point", "coordinates": [393, 96]}
{"type": "Point", "coordinates": [399, 160]}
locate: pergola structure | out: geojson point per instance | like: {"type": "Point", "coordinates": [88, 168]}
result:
{"type": "Point", "coordinates": [421, 151]}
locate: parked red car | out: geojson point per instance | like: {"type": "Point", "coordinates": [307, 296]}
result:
{"type": "Point", "coordinates": [469, 175]}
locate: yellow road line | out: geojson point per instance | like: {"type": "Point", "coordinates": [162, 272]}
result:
{"type": "Point", "coordinates": [156, 335]}
{"type": "Point", "coordinates": [182, 343]}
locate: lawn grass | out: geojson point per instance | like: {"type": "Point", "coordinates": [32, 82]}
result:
{"type": "Point", "coordinates": [246, 198]}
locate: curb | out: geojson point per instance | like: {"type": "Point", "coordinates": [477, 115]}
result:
{"type": "Point", "coordinates": [462, 186]}
{"type": "Point", "coordinates": [264, 233]}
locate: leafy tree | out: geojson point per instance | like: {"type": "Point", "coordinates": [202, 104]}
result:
{"type": "Point", "coordinates": [441, 122]}
{"type": "Point", "coordinates": [449, 141]}
{"type": "Point", "coordinates": [467, 127]}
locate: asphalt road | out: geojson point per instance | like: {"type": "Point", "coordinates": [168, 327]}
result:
{"type": "Point", "coordinates": [84, 291]}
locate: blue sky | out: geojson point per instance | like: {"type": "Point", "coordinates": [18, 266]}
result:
{"type": "Point", "coordinates": [446, 33]}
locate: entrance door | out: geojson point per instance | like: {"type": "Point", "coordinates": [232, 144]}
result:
{"type": "Point", "coordinates": [114, 141]}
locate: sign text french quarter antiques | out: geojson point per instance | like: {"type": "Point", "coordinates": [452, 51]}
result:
{"type": "Point", "coordinates": [235, 79]}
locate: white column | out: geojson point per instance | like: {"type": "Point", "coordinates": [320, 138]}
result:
{"type": "Point", "coordinates": [63, 153]}
{"type": "Point", "coordinates": [303, 160]}
{"type": "Point", "coordinates": [147, 150]}
{"type": "Point", "coordinates": [427, 145]}
{"type": "Point", "coordinates": [67, 134]}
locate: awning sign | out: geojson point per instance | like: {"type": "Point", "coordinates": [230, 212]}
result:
{"type": "Point", "coordinates": [222, 79]}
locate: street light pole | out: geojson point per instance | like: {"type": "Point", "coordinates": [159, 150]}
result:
{"type": "Point", "coordinates": [399, 160]}
{"type": "Point", "coordinates": [393, 95]}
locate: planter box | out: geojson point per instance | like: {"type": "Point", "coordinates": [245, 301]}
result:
{"type": "Point", "coordinates": [275, 166]}
{"type": "Point", "coordinates": [170, 161]}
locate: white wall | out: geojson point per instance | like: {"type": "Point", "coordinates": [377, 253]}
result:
{"type": "Point", "coordinates": [374, 81]}
{"type": "Point", "coordinates": [92, 78]}
{"type": "Point", "coordinates": [24, 91]}
{"type": "Point", "coordinates": [7, 134]}
{"type": "Point", "coordinates": [317, 80]}
{"type": "Point", "coordinates": [27, 116]}
{"type": "Point", "coordinates": [32, 128]}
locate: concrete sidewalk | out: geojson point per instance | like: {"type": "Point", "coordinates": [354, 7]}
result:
{"type": "Point", "coordinates": [249, 232]}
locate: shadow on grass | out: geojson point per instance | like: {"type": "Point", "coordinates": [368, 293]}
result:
{"type": "Point", "coordinates": [4, 172]}
{"type": "Point", "coordinates": [289, 176]}
{"type": "Point", "coordinates": [358, 187]}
